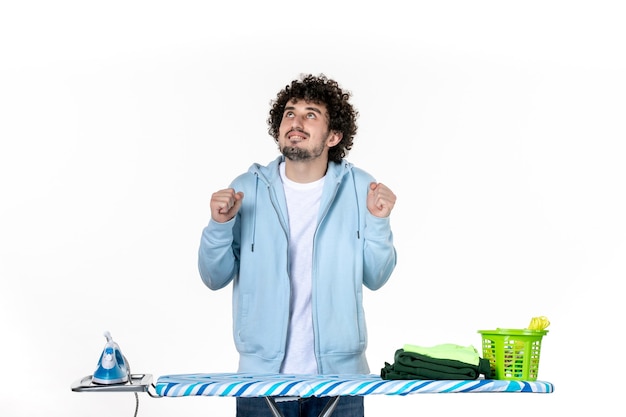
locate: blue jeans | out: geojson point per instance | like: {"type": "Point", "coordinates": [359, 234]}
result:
{"type": "Point", "coordinates": [347, 406]}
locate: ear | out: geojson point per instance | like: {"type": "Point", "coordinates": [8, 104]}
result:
{"type": "Point", "coordinates": [334, 138]}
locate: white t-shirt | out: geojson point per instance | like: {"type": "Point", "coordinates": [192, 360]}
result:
{"type": "Point", "coordinates": [303, 202]}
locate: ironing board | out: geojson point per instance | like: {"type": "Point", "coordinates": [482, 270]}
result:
{"type": "Point", "coordinates": [279, 387]}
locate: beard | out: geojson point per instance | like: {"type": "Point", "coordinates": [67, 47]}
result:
{"type": "Point", "coordinates": [294, 153]}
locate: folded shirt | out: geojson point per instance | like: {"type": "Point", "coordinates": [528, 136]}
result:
{"type": "Point", "coordinates": [467, 354]}
{"type": "Point", "coordinates": [411, 365]}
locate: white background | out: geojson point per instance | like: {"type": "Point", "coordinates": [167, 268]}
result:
{"type": "Point", "coordinates": [499, 125]}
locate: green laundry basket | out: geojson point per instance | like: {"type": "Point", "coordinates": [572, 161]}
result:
{"type": "Point", "coordinates": [513, 354]}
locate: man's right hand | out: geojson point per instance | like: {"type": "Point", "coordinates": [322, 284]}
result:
{"type": "Point", "coordinates": [225, 204]}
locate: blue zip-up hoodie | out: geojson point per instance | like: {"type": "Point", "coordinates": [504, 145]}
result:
{"type": "Point", "coordinates": [351, 248]}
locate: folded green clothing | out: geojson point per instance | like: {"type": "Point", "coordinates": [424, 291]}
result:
{"type": "Point", "coordinates": [410, 365]}
{"type": "Point", "coordinates": [467, 354]}
{"type": "Point", "coordinates": [392, 372]}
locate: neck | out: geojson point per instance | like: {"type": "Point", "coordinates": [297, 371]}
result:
{"type": "Point", "coordinates": [305, 171]}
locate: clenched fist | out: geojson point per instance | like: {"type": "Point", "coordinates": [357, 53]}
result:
{"type": "Point", "coordinates": [380, 200]}
{"type": "Point", "coordinates": [225, 204]}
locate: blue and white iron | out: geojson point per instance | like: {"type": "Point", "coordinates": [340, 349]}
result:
{"type": "Point", "coordinates": [112, 366]}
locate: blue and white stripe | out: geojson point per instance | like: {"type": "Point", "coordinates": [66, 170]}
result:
{"type": "Point", "coordinates": [281, 385]}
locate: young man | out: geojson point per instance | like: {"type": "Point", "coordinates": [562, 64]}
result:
{"type": "Point", "coordinates": [299, 238]}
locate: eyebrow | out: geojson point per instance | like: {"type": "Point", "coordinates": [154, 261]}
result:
{"type": "Point", "coordinates": [314, 109]}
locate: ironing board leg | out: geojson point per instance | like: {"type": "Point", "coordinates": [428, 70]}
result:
{"type": "Point", "coordinates": [326, 412]}
{"type": "Point", "coordinates": [272, 405]}
{"type": "Point", "coordinates": [330, 407]}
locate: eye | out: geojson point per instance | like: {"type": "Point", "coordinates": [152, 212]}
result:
{"type": "Point", "coordinates": [311, 115]}
{"type": "Point", "coordinates": [288, 114]}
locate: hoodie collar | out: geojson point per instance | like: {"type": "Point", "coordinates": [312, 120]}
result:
{"type": "Point", "coordinates": [270, 173]}
{"type": "Point", "coordinates": [270, 176]}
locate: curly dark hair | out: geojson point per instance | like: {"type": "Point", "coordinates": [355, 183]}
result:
{"type": "Point", "coordinates": [321, 90]}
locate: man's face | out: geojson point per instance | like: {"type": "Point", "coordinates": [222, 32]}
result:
{"type": "Point", "coordinates": [303, 134]}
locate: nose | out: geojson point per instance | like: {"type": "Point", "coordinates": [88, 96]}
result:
{"type": "Point", "coordinates": [296, 122]}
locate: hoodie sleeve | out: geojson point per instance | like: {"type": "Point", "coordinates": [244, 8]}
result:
{"type": "Point", "coordinates": [218, 256]}
{"type": "Point", "coordinates": [379, 252]}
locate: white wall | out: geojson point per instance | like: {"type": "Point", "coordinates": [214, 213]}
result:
{"type": "Point", "coordinates": [499, 125]}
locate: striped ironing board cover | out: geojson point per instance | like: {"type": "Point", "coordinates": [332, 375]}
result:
{"type": "Point", "coordinates": [282, 385]}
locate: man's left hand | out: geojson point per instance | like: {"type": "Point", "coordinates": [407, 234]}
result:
{"type": "Point", "coordinates": [380, 200]}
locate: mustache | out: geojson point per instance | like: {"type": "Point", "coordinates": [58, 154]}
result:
{"type": "Point", "coordinates": [297, 130]}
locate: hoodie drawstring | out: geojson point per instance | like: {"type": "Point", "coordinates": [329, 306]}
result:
{"type": "Point", "coordinates": [358, 209]}
{"type": "Point", "coordinates": [256, 193]}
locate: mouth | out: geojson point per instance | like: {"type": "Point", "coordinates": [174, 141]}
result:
{"type": "Point", "coordinates": [296, 136]}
